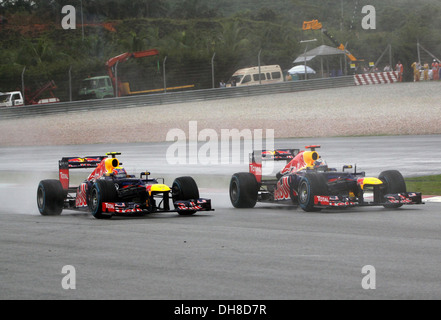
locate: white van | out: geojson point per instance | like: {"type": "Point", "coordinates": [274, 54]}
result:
{"type": "Point", "coordinates": [250, 76]}
{"type": "Point", "coordinates": [11, 99]}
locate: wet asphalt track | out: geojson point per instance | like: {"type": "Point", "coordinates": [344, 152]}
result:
{"type": "Point", "coordinates": [270, 252]}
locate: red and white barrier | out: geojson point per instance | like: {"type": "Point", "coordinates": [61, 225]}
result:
{"type": "Point", "coordinates": [376, 78]}
{"type": "Point", "coordinates": [431, 198]}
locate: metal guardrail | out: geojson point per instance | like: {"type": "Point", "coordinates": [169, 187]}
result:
{"type": "Point", "coordinates": [175, 97]}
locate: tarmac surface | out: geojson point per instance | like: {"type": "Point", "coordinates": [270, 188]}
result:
{"type": "Point", "coordinates": [265, 253]}
{"type": "Point", "coordinates": [269, 252]}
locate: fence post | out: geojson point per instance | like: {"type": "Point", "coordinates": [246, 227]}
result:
{"type": "Point", "coordinates": [212, 69]}
{"type": "Point", "coordinates": [390, 57]}
{"type": "Point", "coordinates": [70, 84]}
{"type": "Point", "coordinates": [23, 85]}
{"type": "Point", "coordinates": [82, 20]}
{"type": "Point", "coordinates": [165, 79]}
{"type": "Point", "coordinates": [116, 80]}
{"type": "Point", "coordinates": [419, 53]}
{"type": "Point", "coordinates": [258, 59]}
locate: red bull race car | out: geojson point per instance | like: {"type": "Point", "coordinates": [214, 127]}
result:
{"type": "Point", "coordinates": [307, 181]}
{"type": "Point", "coordinates": [109, 191]}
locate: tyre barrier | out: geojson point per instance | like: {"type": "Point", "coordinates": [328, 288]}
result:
{"type": "Point", "coordinates": [376, 78]}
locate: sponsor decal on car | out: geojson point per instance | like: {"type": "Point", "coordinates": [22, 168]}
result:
{"type": "Point", "coordinates": [81, 199]}
{"type": "Point", "coordinates": [321, 200]}
{"type": "Point", "coordinates": [282, 189]}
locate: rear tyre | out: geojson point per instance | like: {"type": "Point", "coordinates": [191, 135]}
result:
{"type": "Point", "coordinates": [244, 190]}
{"type": "Point", "coordinates": [184, 189]}
{"type": "Point", "coordinates": [311, 185]}
{"type": "Point", "coordinates": [394, 183]}
{"type": "Point", "coordinates": [50, 197]}
{"type": "Point", "coordinates": [102, 191]}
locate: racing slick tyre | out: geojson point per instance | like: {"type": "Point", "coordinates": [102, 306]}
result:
{"type": "Point", "coordinates": [102, 191]}
{"type": "Point", "coordinates": [244, 190]}
{"type": "Point", "coordinates": [311, 185]}
{"type": "Point", "coordinates": [50, 197]}
{"type": "Point", "coordinates": [394, 183]}
{"type": "Point", "coordinates": [184, 189]}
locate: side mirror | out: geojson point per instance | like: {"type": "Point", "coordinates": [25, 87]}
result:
{"type": "Point", "coordinates": [145, 174]}
{"type": "Point", "coordinates": [347, 167]}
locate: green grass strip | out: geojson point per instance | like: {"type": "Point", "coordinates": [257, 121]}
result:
{"type": "Point", "coordinates": [427, 185]}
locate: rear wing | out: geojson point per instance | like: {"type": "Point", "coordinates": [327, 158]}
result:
{"type": "Point", "coordinates": [279, 154]}
{"type": "Point", "coordinates": [257, 157]}
{"type": "Point", "coordinates": [67, 163]}
{"type": "Point", "coordinates": [80, 163]}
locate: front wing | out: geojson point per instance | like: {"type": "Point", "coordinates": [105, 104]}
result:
{"type": "Point", "coordinates": [194, 205]}
{"type": "Point", "coordinates": [135, 208]}
{"type": "Point", "coordinates": [389, 199]}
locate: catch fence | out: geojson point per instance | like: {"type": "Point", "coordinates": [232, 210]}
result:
{"type": "Point", "coordinates": [159, 99]}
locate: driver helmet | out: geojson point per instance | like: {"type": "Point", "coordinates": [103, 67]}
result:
{"type": "Point", "coordinates": [320, 163]}
{"type": "Point", "coordinates": [119, 172]}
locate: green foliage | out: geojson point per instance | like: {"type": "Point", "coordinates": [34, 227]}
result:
{"type": "Point", "coordinates": [189, 32]}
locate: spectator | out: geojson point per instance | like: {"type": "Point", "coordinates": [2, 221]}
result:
{"type": "Point", "coordinates": [426, 71]}
{"type": "Point", "coordinates": [387, 68]}
{"type": "Point", "coordinates": [416, 72]}
{"type": "Point", "coordinates": [399, 69]}
{"type": "Point", "coordinates": [435, 70]}
{"type": "Point", "coordinates": [222, 84]}
{"type": "Point", "coordinates": [439, 71]}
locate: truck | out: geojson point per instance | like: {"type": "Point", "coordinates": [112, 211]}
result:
{"type": "Point", "coordinates": [16, 99]}
{"type": "Point", "coordinates": [250, 76]}
{"type": "Point", "coordinates": [96, 88]}
{"type": "Point", "coordinates": [11, 99]}
{"type": "Point", "coordinates": [46, 90]}
{"type": "Point", "coordinates": [110, 85]}
{"type": "Point", "coordinates": [123, 88]}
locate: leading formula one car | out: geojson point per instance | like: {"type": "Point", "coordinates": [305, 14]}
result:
{"type": "Point", "coordinates": [110, 191]}
{"type": "Point", "coordinates": [308, 182]}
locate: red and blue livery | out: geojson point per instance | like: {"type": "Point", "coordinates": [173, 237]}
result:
{"type": "Point", "coordinates": [307, 181]}
{"type": "Point", "coordinates": [109, 191]}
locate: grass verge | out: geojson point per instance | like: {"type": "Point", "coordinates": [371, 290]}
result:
{"type": "Point", "coordinates": [427, 185]}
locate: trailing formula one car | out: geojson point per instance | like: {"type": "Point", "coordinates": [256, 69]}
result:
{"type": "Point", "coordinates": [110, 191]}
{"type": "Point", "coordinates": [308, 182]}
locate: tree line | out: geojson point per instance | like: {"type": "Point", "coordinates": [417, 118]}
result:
{"type": "Point", "coordinates": [190, 32]}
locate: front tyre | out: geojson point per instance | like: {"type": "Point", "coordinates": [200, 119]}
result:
{"type": "Point", "coordinates": [244, 190]}
{"type": "Point", "coordinates": [394, 183]}
{"type": "Point", "coordinates": [50, 197]}
{"type": "Point", "coordinates": [184, 189]}
{"type": "Point", "coordinates": [311, 185]}
{"type": "Point", "coordinates": [102, 191]}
